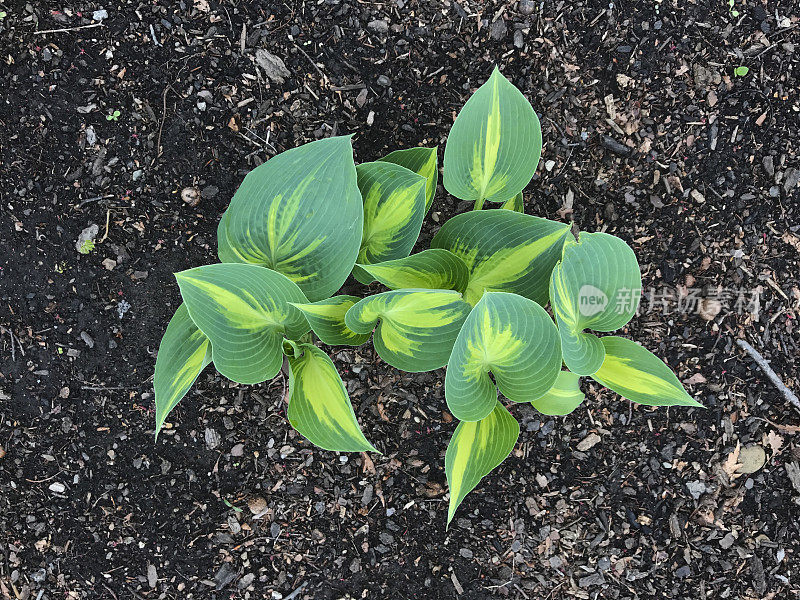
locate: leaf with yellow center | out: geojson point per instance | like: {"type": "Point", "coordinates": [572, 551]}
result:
{"type": "Point", "coordinates": [422, 161]}
{"type": "Point", "coordinates": [513, 338]}
{"type": "Point", "coordinates": [596, 285]}
{"type": "Point", "coordinates": [505, 251]}
{"type": "Point", "coordinates": [476, 448]}
{"type": "Point", "coordinates": [494, 145]}
{"type": "Point", "coordinates": [319, 408]}
{"type": "Point", "coordinates": [245, 312]}
{"type": "Point", "coordinates": [394, 207]}
{"type": "Point", "coordinates": [184, 352]}
{"type": "Point", "coordinates": [300, 214]}
{"type": "Point", "coordinates": [415, 329]}
{"type": "Point", "coordinates": [639, 375]}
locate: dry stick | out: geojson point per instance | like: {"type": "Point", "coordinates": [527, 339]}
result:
{"type": "Point", "coordinates": [313, 64]}
{"type": "Point", "coordinates": [296, 593]}
{"type": "Point", "coordinates": [67, 29]}
{"type": "Point", "coordinates": [773, 377]}
{"type": "Point", "coordinates": [161, 126]}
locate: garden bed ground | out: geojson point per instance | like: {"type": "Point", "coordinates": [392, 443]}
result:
{"type": "Point", "coordinates": [649, 135]}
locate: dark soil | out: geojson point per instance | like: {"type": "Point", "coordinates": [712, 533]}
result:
{"type": "Point", "coordinates": [649, 135]}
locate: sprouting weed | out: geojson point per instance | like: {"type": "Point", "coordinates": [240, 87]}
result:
{"type": "Point", "coordinates": [114, 116]}
{"type": "Point", "coordinates": [86, 247]}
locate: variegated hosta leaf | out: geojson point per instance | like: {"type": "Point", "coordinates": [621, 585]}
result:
{"type": "Point", "coordinates": [184, 352]}
{"type": "Point", "coordinates": [494, 146]}
{"type": "Point", "coordinates": [515, 203]}
{"type": "Point", "coordinates": [326, 318]}
{"type": "Point", "coordinates": [300, 214]}
{"type": "Point", "coordinates": [513, 338]}
{"type": "Point", "coordinates": [423, 161]}
{"type": "Point", "coordinates": [564, 397]}
{"type": "Point", "coordinates": [475, 449]}
{"type": "Point", "coordinates": [639, 375]}
{"type": "Point", "coordinates": [319, 408]}
{"type": "Point", "coordinates": [434, 269]}
{"type": "Point", "coordinates": [596, 285]}
{"type": "Point", "coordinates": [505, 251]}
{"type": "Point", "coordinates": [244, 311]}
{"type": "Point", "coordinates": [415, 329]}
{"type": "Point", "coordinates": [394, 207]}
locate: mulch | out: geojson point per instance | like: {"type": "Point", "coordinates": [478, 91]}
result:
{"type": "Point", "coordinates": [141, 118]}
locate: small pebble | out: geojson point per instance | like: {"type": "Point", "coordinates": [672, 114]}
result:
{"type": "Point", "coordinates": [191, 196]}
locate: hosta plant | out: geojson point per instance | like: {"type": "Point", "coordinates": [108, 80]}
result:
{"type": "Point", "coordinates": [475, 302]}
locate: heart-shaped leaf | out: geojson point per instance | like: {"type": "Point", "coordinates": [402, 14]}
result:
{"type": "Point", "coordinates": [564, 397]}
{"type": "Point", "coordinates": [319, 408]}
{"type": "Point", "coordinates": [639, 375]}
{"type": "Point", "coordinates": [300, 214]}
{"type": "Point", "coordinates": [423, 161]}
{"type": "Point", "coordinates": [434, 269]}
{"type": "Point", "coordinates": [394, 207]}
{"type": "Point", "coordinates": [515, 203]}
{"type": "Point", "coordinates": [326, 318]}
{"type": "Point", "coordinates": [415, 329]}
{"type": "Point", "coordinates": [184, 352]}
{"type": "Point", "coordinates": [505, 251]}
{"type": "Point", "coordinates": [513, 338]}
{"type": "Point", "coordinates": [596, 285]}
{"type": "Point", "coordinates": [244, 311]}
{"type": "Point", "coordinates": [476, 448]}
{"type": "Point", "coordinates": [494, 146]}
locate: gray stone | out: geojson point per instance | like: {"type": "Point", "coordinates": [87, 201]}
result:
{"type": "Point", "coordinates": [379, 26]}
{"type": "Point", "coordinates": [273, 66]}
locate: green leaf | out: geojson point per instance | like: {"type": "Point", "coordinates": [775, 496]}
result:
{"type": "Point", "coordinates": [505, 251]}
{"type": "Point", "coordinates": [596, 285]}
{"type": "Point", "coordinates": [564, 397]}
{"type": "Point", "coordinates": [320, 408]}
{"type": "Point", "coordinates": [434, 269]}
{"type": "Point", "coordinates": [300, 214]}
{"type": "Point", "coordinates": [513, 338]}
{"type": "Point", "coordinates": [245, 312]}
{"type": "Point", "coordinates": [394, 207]}
{"type": "Point", "coordinates": [515, 203]}
{"type": "Point", "coordinates": [741, 71]}
{"type": "Point", "coordinates": [639, 375]}
{"type": "Point", "coordinates": [184, 352]}
{"type": "Point", "coordinates": [475, 449]}
{"type": "Point", "coordinates": [415, 329]}
{"type": "Point", "coordinates": [326, 318]}
{"type": "Point", "coordinates": [423, 161]}
{"type": "Point", "coordinates": [494, 146]}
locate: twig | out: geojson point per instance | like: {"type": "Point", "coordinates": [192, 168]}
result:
{"type": "Point", "coordinates": [161, 126]}
{"type": "Point", "coordinates": [13, 352]}
{"type": "Point", "coordinates": [313, 64]}
{"type": "Point", "coordinates": [67, 29]}
{"type": "Point", "coordinates": [105, 235]}
{"type": "Point", "coordinates": [773, 377]}
{"type": "Point", "coordinates": [296, 593]}
{"type": "Point", "coordinates": [95, 198]}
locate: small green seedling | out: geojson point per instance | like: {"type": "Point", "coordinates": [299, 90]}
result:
{"type": "Point", "coordinates": [114, 116]}
{"type": "Point", "coordinates": [3, 14]}
{"type": "Point", "coordinates": [300, 224]}
{"type": "Point", "coordinates": [731, 9]}
{"type": "Point", "coordinates": [741, 71]}
{"type": "Point", "coordinates": [86, 247]}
